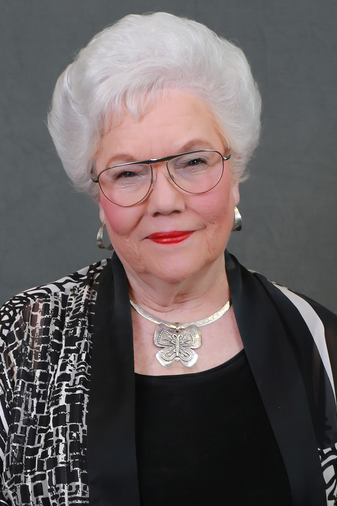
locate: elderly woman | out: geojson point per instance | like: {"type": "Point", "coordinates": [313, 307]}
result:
{"type": "Point", "coordinates": [169, 374]}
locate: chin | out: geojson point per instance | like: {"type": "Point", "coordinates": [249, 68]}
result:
{"type": "Point", "coordinates": [176, 270]}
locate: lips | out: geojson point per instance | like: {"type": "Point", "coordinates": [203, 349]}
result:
{"type": "Point", "coordinates": [173, 237]}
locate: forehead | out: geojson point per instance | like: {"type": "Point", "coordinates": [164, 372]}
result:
{"type": "Point", "coordinates": [172, 122]}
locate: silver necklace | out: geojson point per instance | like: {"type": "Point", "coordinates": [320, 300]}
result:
{"type": "Point", "coordinates": [179, 340]}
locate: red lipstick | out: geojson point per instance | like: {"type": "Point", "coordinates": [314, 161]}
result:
{"type": "Point", "coordinates": [173, 237]}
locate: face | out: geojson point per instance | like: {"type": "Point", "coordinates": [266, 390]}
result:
{"type": "Point", "coordinates": [172, 235]}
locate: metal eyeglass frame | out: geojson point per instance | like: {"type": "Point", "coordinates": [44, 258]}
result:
{"type": "Point", "coordinates": [158, 160]}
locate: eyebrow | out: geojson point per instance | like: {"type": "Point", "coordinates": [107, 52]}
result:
{"type": "Point", "coordinates": [192, 145]}
{"type": "Point", "coordinates": [196, 144]}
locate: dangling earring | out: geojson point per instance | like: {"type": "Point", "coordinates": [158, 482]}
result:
{"type": "Point", "coordinates": [237, 222]}
{"type": "Point", "coordinates": [100, 239]}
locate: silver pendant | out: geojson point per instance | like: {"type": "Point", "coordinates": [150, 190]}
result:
{"type": "Point", "coordinates": [179, 339]}
{"type": "Point", "coordinates": [178, 343]}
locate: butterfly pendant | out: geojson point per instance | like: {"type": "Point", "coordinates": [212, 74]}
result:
{"type": "Point", "coordinates": [178, 344]}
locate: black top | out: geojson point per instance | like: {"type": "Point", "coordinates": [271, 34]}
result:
{"type": "Point", "coordinates": [205, 438]}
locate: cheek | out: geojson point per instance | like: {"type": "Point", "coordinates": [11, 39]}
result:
{"type": "Point", "coordinates": [121, 224]}
{"type": "Point", "coordinates": [219, 205]}
{"type": "Point", "coordinates": [220, 218]}
{"type": "Point", "coordinates": [119, 220]}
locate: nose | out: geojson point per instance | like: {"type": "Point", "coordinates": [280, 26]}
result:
{"type": "Point", "coordinates": [165, 197]}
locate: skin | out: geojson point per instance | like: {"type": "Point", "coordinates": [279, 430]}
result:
{"type": "Point", "coordinates": [184, 281]}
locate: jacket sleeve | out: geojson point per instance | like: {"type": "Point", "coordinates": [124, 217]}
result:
{"type": "Point", "coordinates": [10, 322]}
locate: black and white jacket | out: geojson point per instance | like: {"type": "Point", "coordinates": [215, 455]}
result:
{"type": "Point", "coordinates": [66, 348]}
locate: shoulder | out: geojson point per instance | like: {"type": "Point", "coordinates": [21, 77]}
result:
{"type": "Point", "coordinates": [280, 295]}
{"type": "Point", "coordinates": [296, 309]}
{"type": "Point", "coordinates": [51, 298]}
{"type": "Point", "coordinates": [78, 280]}
{"type": "Point", "coordinates": [314, 314]}
{"type": "Point", "coordinates": [311, 311]}
{"type": "Point", "coordinates": [321, 322]}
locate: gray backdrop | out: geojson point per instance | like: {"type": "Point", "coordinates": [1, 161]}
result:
{"type": "Point", "coordinates": [288, 205]}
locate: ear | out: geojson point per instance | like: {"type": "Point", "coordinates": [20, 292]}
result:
{"type": "Point", "coordinates": [236, 192]}
{"type": "Point", "coordinates": [101, 213]}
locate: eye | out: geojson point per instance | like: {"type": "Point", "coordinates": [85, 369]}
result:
{"type": "Point", "coordinates": [188, 161]}
{"type": "Point", "coordinates": [126, 174]}
{"type": "Point", "coordinates": [196, 161]}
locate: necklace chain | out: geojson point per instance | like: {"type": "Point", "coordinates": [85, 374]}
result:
{"type": "Point", "coordinates": [177, 325]}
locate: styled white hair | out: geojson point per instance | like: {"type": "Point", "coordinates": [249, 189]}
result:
{"type": "Point", "coordinates": [127, 66]}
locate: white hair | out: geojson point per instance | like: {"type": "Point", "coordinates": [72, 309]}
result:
{"type": "Point", "coordinates": [128, 65]}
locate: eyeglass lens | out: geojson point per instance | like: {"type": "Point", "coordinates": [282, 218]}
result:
{"type": "Point", "coordinates": [196, 172]}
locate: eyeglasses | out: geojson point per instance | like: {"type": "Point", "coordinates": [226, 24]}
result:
{"type": "Point", "coordinates": [194, 172]}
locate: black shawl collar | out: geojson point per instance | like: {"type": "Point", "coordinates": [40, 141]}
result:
{"type": "Point", "coordinates": [112, 466]}
{"type": "Point", "coordinates": [279, 380]}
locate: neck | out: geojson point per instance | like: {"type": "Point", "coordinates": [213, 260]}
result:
{"type": "Point", "coordinates": [186, 300]}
